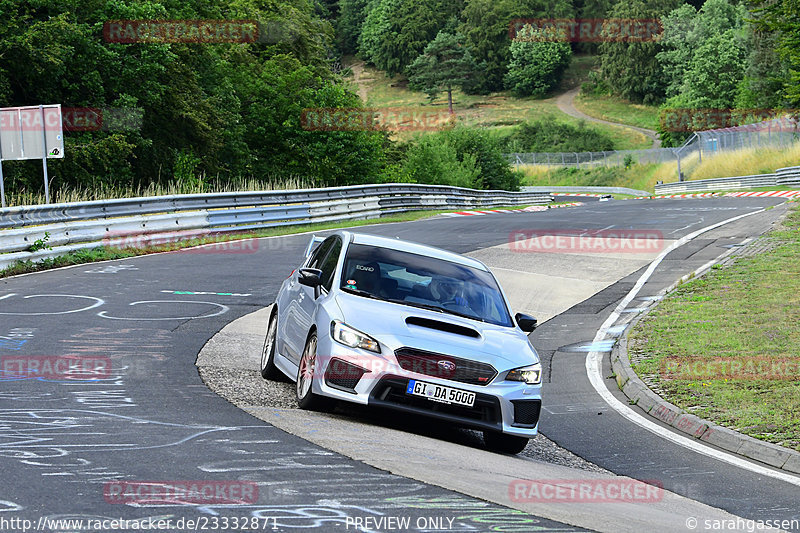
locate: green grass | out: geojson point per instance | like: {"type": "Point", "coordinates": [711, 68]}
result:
{"type": "Point", "coordinates": [640, 177]}
{"type": "Point", "coordinates": [615, 109]}
{"type": "Point", "coordinates": [744, 162]}
{"type": "Point", "coordinates": [495, 110]}
{"type": "Point", "coordinates": [105, 191]}
{"type": "Point", "coordinates": [743, 312]}
{"type": "Point", "coordinates": [101, 253]}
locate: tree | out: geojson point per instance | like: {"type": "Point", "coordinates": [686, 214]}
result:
{"type": "Point", "coordinates": [445, 65]}
{"type": "Point", "coordinates": [678, 42]}
{"type": "Point", "coordinates": [631, 68]}
{"type": "Point", "coordinates": [686, 30]}
{"type": "Point", "coordinates": [538, 60]}
{"type": "Point", "coordinates": [465, 157]}
{"type": "Point", "coordinates": [783, 18]}
{"type": "Point", "coordinates": [762, 86]}
{"type": "Point", "coordinates": [593, 9]}
{"type": "Point", "coordinates": [348, 27]}
{"type": "Point", "coordinates": [486, 25]}
{"type": "Point", "coordinates": [229, 110]}
{"type": "Point", "coordinates": [395, 32]}
{"type": "Point", "coordinates": [717, 67]}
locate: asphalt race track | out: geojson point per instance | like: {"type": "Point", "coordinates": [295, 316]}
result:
{"type": "Point", "coordinates": [81, 448]}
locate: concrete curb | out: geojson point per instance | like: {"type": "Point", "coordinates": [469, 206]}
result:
{"type": "Point", "coordinates": [657, 407]}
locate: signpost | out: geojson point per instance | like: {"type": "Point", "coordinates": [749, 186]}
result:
{"type": "Point", "coordinates": [31, 132]}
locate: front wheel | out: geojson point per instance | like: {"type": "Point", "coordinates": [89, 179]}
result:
{"type": "Point", "coordinates": [306, 373]}
{"type": "Point", "coordinates": [503, 443]}
{"type": "Point", "coordinates": [268, 368]}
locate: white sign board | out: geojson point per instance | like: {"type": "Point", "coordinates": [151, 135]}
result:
{"type": "Point", "coordinates": [31, 132]}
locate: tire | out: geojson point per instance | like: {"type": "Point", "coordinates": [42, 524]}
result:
{"type": "Point", "coordinates": [502, 443]}
{"type": "Point", "coordinates": [268, 368]}
{"type": "Point", "coordinates": [306, 370]}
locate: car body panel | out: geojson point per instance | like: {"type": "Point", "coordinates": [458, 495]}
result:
{"type": "Point", "coordinates": [503, 347]}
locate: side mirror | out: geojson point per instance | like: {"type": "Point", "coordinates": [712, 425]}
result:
{"type": "Point", "coordinates": [310, 277]}
{"type": "Point", "coordinates": [526, 322]}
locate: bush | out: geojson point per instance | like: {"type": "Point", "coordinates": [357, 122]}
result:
{"type": "Point", "coordinates": [596, 86]}
{"type": "Point", "coordinates": [542, 136]}
{"type": "Point", "coordinates": [537, 64]}
{"type": "Point", "coordinates": [435, 161]}
{"type": "Point", "coordinates": [461, 157]}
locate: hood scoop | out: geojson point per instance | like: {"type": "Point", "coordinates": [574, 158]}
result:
{"type": "Point", "coordinates": [447, 327]}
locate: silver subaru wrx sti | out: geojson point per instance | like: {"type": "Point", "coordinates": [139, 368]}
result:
{"type": "Point", "coordinates": [395, 324]}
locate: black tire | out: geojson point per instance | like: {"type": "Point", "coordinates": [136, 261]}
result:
{"type": "Point", "coordinates": [502, 443]}
{"type": "Point", "coordinates": [268, 368]}
{"type": "Point", "coordinates": [306, 374]}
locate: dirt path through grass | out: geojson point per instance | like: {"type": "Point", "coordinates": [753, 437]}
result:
{"type": "Point", "coordinates": [360, 80]}
{"type": "Point", "coordinates": [566, 103]}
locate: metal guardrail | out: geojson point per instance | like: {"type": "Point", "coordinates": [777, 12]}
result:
{"type": "Point", "coordinates": [718, 184]}
{"type": "Point", "coordinates": [73, 226]}
{"type": "Point", "coordinates": [788, 177]}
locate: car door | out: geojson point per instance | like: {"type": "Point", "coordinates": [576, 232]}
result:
{"type": "Point", "coordinates": [307, 303]}
{"type": "Point", "coordinates": [294, 329]}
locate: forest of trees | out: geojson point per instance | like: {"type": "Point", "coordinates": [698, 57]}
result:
{"type": "Point", "coordinates": [231, 111]}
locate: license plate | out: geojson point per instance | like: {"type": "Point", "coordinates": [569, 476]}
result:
{"type": "Point", "coordinates": [440, 393]}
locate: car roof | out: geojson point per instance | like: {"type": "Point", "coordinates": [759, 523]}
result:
{"type": "Point", "coordinates": [414, 248]}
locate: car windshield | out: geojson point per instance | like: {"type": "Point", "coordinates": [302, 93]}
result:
{"type": "Point", "coordinates": [422, 281]}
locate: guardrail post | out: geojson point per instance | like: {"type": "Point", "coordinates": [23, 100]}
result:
{"type": "Point", "coordinates": [2, 184]}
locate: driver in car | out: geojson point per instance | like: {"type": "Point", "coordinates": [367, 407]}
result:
{"type": "Point", "coordinates": [448, 291]}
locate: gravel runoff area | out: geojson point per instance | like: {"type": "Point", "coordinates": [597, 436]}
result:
{"type": "Point", "coordinates": [246, 388]}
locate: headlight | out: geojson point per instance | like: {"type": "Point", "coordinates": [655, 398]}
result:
{"type": "Point", "coordinates": [532, 375]}
{"type": "Point", "coordinates": [353, 338]}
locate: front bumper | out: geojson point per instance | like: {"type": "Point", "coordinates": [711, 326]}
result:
{"type": "Point", "coordinates": [378, 380]}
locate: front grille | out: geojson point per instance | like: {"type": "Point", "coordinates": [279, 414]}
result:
{"type": "Point", "coordinates": [342, 375]}
{"type": "Point", "coordinates": [526, 412]}
{"type": "Point", "coordinates": [445, 366]}
{"type": "Point", "coordinates": [484, 414]}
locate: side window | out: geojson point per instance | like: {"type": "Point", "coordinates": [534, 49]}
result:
{"type": "Point", "coordinates": [329, 264]}
{"type": "Point", "coordinates": [319, 254]}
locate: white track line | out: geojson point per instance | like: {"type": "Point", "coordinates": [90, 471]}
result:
{"type": "Point", "coordinates": [595, 375]}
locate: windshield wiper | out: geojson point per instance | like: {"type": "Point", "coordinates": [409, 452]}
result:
{"type": "Point", "coordinates": [359, 292]}
{"type": "Point", "coordinates": [415, 304]}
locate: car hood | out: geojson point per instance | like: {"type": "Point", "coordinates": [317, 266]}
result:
{"type": "Point", "coordinates": [502, 347]}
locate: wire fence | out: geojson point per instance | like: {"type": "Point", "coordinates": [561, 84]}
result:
{"type": "Point", "coordinates": [778, 132]}
{"type": "Point", "coordinates": [594, 159]}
